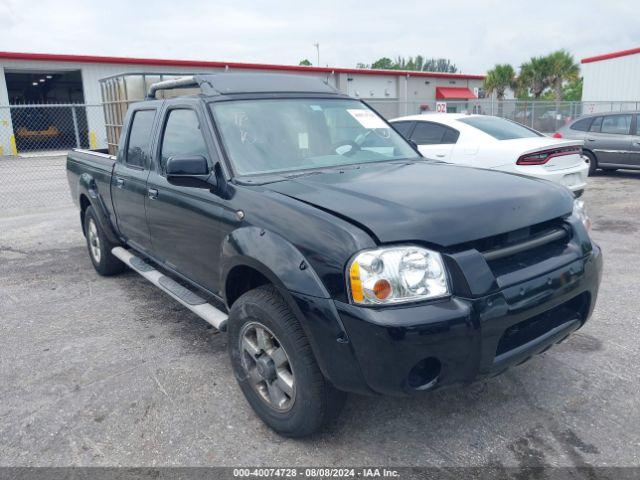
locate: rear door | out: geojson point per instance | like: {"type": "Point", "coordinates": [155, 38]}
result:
{"type": "Point", "coordinates": [129, 180]}
{"type": "Point", "coordinates": [435, 141]}
{"type": "Point", "coordinates": [610, 138]}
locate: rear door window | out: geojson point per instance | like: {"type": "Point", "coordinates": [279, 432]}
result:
{"type": "Point", "coordinates": [595, 126]}
{"type": "Point", "coordinates": [616, 124]}
{"type": "Point", "coordinates": [450, 135]}
{"type": "Point", "coordinates": [404, 128]}
{"type": "Point", "coordinates": [582, 125]}
{"type": "Point", "coordinates": [427, 133]}
{"type": "Point", "coordinates": [138, 145]}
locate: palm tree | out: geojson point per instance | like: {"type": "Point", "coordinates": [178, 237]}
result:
{"type": "Point", "coordinates": [562, 67]}
{"type": "Point", "coordinates": [535, 75]}
{"type": "Point", "coordinates": [498, 79]}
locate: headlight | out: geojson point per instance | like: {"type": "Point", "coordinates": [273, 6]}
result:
{"type": "Point", "coordinates": [580, 212]}
{"type": "Point", "coordinates": [396, 275]}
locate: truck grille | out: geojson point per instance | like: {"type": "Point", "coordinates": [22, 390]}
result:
{"type": "Point", "coordinates": [518, 249]}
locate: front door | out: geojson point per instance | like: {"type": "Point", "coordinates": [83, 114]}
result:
{"type": "Point", "coordinates": [129, 181]}
{"type": "Point", "coordinates": [187, 224]}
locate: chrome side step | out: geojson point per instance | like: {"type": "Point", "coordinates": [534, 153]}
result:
{"type": "Point", "coordinates": [186, 297]}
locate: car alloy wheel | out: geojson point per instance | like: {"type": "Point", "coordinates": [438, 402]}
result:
{"type": "Point", "coordinates": [267, 366]}
{"type": "Point", "coordinates": [94, 241]}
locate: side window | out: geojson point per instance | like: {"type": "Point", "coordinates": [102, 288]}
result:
{"type": "Point", "coordinates": [404, 128]}
{"type": "Point", "coordinates": [450, 136]}
{"type": "Point", "coordinates": [595, 126]}
{"type": "Point", "coordinates": [427, 133]}
{"type": "Point", "coordinates": [182, 136]}
{"type": "Point", "coordinates": [582, 125]}
{"type": "Point", "coordinates": [617, 124]}
{"type": "Point", "coordinates": [137, 154]}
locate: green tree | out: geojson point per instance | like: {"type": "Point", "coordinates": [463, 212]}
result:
{"type": "Point", "coordinates": [439, 65]}
{"type": "Point", "coordinates": [572, 91]}
{"type": "Point", "coordinates": [384, 63]}
{"type": "Point", "coordinates": [498, 79]}
{"type": "Point", "coordinates": [534, 76]}
{"type": "Point", "coordinates": [305, 62]}
{"type": "Point", "coordinates": [561, 68]}
{"type": "Point", "coordinates": [417, 63]}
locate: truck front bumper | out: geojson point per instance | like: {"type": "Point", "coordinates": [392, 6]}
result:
{"type": "Point", "coordinates": [414, 348]}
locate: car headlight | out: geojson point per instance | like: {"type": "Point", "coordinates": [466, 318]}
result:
{"type": "Point", "coordinates": [580, 212]}
{"type": "Point", "coordinates": [400, 274]}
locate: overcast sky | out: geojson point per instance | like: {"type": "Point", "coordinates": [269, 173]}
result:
{"type": "Point", "coordinates": [473, 34]}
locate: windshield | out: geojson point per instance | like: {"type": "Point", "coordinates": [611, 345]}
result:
{"type": "Point", "coordinates": [499, 128]}
{"type": "Point", "coordinates": [267, 136]}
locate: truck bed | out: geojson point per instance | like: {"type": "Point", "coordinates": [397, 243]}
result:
{"type": "Point", "coordinates": [95, 169]}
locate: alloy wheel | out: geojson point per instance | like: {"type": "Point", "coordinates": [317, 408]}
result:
{"type": "Point", "coordinates": [267, 366]}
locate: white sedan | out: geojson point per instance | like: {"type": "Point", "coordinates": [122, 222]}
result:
{"type": "Point", "coordinates": [495, 143]}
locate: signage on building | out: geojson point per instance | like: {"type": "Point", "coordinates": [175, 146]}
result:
{"type": "Point", "coordinates": [441, 107]}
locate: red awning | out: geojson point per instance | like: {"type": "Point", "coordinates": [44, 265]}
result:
{"type": "Point", "coordinates": [454, 93]}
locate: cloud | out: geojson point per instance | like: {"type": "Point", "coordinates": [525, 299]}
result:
{"type": "Point", "coordinates": [474, 35]}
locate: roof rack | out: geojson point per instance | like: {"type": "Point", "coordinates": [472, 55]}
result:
{"type": "Point", "coordinates": [182, 82]}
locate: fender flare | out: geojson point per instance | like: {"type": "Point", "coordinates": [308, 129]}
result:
{"type": "Point", "coordinates": [274, 257]}
{"type": "Point", "coordinates": [280, 262]}
{"type": "Point", "coordinates": [87, 187]}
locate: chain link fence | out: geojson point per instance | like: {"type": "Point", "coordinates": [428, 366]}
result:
{"type": "Point", "coordinates": [28, 129]}
{"type": "Point", "coordinates": [34, 139]}
{"type": "Point", "coordinates": [546, 117]}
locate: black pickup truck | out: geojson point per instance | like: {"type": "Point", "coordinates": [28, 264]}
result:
{"type": "Point", "coordinates": [337, 258]}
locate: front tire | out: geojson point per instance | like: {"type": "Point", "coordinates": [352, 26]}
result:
{"type": "Point", "coordinates": [275, 367]}
{"type": "Point", "coordinates": [99, 247]}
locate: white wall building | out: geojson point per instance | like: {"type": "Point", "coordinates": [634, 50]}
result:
{"type": "Point", "coordinates": [32, 78]}
{"type": "Point", "coordinates": [613, 78]}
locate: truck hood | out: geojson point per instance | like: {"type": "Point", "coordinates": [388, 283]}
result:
{"type": "Point", "coordinates": [430, 202]}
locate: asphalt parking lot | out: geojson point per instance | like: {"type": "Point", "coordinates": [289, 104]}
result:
{"type": "Point", "coordinates": [110, 371]}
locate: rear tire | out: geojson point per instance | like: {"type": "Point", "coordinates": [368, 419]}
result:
{"type": "Point", "coordinates": [275, 367]}
{"type": "Point", "coordinates": [99, 247]}
{"type": "Point", "coordinates": [593, 162]}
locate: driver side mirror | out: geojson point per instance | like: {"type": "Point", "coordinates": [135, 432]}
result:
{"type": "Point", "coordinates": [189, 171]}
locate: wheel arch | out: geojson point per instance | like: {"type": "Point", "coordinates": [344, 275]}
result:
{"type": "Point", "coordinates": [88, 195]}
{"type": "Point", "coordinates": [264, 255]}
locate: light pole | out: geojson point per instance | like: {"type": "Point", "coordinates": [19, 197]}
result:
{"type": "Point", "coordinates": [317, 45]}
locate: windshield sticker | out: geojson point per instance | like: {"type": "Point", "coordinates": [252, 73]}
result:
{"type": "Point", "coordinates": [367, 118]}
{"type": "Point", "coordinates": [303, 141]}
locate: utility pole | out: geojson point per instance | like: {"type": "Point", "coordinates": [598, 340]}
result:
{"type": "Point", "coordinates": [317, 45]}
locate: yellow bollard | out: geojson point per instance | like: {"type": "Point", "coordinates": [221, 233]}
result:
{"type": "Point", "coordinates": [14, 148]}
{"type": "Point", "coordinates": [92, 141]}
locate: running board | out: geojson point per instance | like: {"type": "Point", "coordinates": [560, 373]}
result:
{"type": "Point", "coordinates": [186, 297]}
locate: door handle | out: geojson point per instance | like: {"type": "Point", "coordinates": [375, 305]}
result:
{"type": "Point", "coordinates": [153, 193]}
{"type": "Point", "coordinates": [119, 182]}
{"type": "Point", "coordinates": [636, 144]}
{"type": "Point", "coordinates": [591, 139]}
{"type": "Point", "coordinates": [441, 155]}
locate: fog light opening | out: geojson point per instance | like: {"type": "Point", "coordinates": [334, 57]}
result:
{"type": "Point", "coordinates": [424, 374]}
